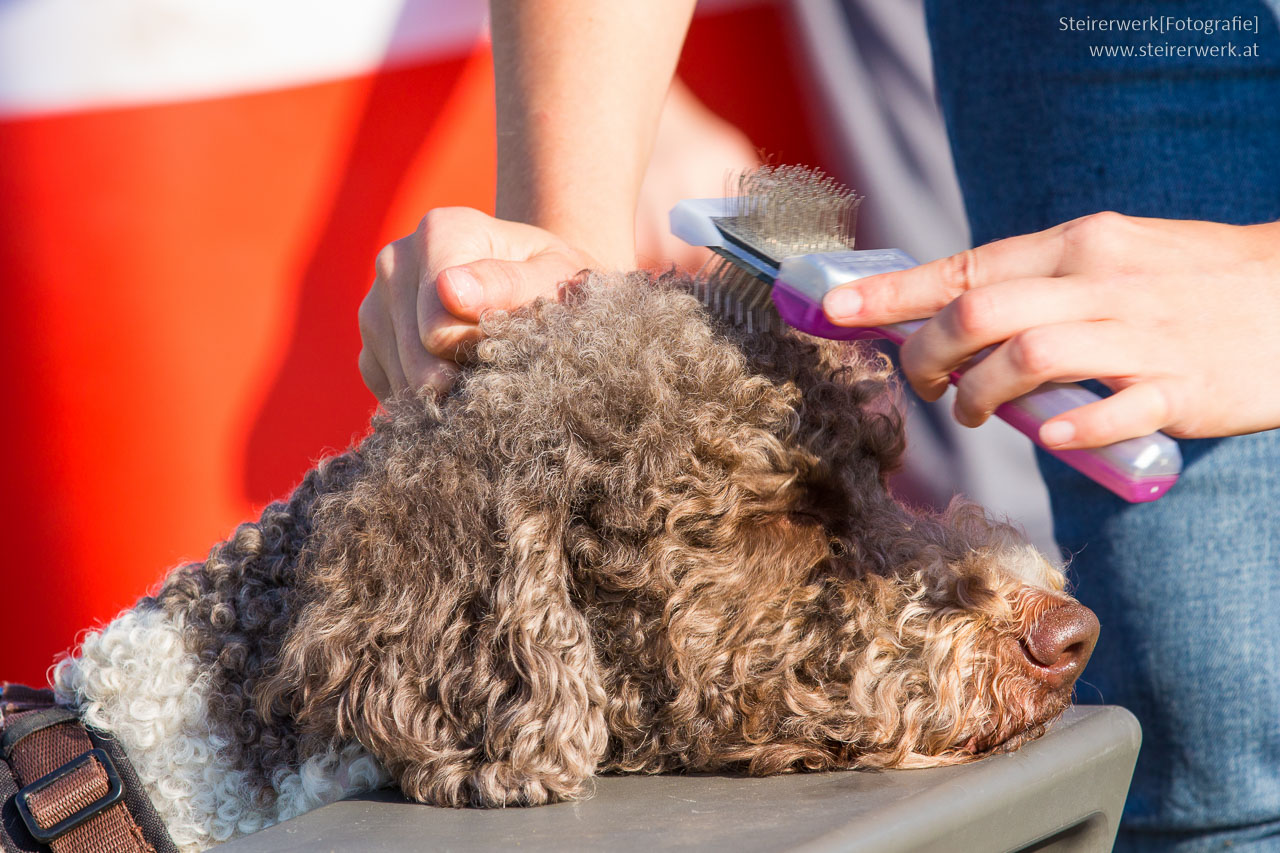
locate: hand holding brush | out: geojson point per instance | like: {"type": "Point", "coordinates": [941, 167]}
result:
{"type": "Point", "coordinates": [1131, 302]}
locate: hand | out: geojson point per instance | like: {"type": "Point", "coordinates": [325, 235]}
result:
{"type": "Point", "coordinates": [423, 308]}
{"type": "Point", "coordinates": [1180, 318]}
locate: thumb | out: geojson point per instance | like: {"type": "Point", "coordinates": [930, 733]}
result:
{"type": "Point", "coordinates": [468, 290]}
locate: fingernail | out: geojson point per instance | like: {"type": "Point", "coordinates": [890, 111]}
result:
{"type": "Point", "coordinates": [465, 287]}
{"type": "Point", "coordinates": [843, 303]}
{"type": "Point", "coordinates": [1057, 433]}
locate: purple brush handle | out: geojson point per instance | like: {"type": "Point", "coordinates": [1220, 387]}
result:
{"type": "Point", "coordinates": [1138, 470]}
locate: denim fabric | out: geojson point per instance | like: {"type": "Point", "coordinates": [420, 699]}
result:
{"type": "Point", "coordinates": [1187, 588]}
{"type": "Point", "coordinates": [1042, 132]}
{"type": "Point", "coordinates": [1188, 592]}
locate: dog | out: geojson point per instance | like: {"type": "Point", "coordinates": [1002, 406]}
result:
{"type": "Point", "coordinates": [633, 538]}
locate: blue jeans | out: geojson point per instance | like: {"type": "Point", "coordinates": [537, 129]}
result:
{"type": "Point", "coordinates": [1188, 592]}
{"type": "Point", "coordinates": [1187, 588]}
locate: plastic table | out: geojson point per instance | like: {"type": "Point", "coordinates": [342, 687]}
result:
{"type": "Point", "coordinates": [1064, 791]}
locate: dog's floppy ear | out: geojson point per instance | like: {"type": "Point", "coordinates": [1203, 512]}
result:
{"type": "Point", "coordinates": [473, 684]}
{"type": "Point", "coordinates": [536, 688]}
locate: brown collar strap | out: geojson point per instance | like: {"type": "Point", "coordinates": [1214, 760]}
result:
{"type": "Point", "coordinates": [71, 783]}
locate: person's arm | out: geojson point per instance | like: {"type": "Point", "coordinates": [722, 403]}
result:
{"type": "Point", "coordinates": [1180, 318]}
{"type": "Point", "coordinates": [579, 85]}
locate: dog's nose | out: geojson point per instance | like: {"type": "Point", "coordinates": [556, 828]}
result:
{"type": "Point", "coordinates": [1061, 642]}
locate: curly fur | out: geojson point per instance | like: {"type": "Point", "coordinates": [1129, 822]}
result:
{"type": "Point", "coordinates": [136, 680]}
{"type": "Point", "coordinates": [631, 539]}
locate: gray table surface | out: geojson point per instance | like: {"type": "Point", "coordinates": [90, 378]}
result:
{"type": "Point", "coordinates": [1062, 792]}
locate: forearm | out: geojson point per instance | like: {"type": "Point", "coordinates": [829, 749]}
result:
{"type": "Point", "coordinates": [580, 86]}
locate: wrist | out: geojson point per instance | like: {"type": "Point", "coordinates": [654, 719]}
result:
{"type": "Point", "coordinates": [607, 236]}
{"type": "Point", "coordinates": [611, 250]}
{"type": "Point", "coordinates": [545, 180]}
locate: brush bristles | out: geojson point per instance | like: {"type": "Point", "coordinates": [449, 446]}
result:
{"type": "Point", "coordinates": [792, 210]}
{"type": "Point", "coordinates": [736, 296]}
{"type": "Point", "coordinates": [781, 211]}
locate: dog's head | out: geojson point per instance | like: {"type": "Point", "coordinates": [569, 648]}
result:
{"type": "Point", "coordinates": [757, 594]}
{"type": "Point", "coordinates": [636, 538]}
{"type": "Point", "coordinates": [968, 645]}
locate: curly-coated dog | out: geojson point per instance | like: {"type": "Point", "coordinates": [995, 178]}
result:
{"type": "Point", "coordinates": [632, 539]}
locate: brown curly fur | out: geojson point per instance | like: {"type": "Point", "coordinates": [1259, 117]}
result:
{"type": "Point", "coordinates": [631, 539]}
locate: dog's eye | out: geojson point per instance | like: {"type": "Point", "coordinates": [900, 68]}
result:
{"type": "Point", "coordinates": [838, 548]}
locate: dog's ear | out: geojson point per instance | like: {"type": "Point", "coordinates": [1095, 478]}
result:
{"type": "Point", "coordinates": [535, 688]}
{"type": "Point", "coordinates": [473, 684]}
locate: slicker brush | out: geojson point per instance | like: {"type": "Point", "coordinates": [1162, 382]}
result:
{"type": "Point", "coordinates": [785, 237]}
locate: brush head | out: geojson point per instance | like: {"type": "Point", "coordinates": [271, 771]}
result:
{"type": "Point", "coordinates": [782, 211]}
{"type": "Point", "coordinates": [773, 213]}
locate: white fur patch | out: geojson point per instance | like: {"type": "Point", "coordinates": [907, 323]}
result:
{"type": "Point", "coordinates": [1029, 565]}
{"type": "Point", "coordinates": [135, 680]}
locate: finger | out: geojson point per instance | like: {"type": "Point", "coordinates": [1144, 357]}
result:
{"type": "Point", "coordinates": [395, 375]}
{"type": "Point", "coordinates": [412, 360]}
{"type": "Point", "coordinates": [375, 378]}
{"type": "Point", "coordinates": [922, 291]}
{"type": "Point", "coordinates": [1065, 352]}
{"type": "Point", "coordinates": [439, 333]}
{"type": "Point", "coordinates": [449, 236]}
{"type": "Point", "coordinates": [468, 291]}
{"type": "Point", "coordinates": [1131, 412]}
{"type": "Point", "coordinates": [446, 337]}
{"type": "Point", "coordinates": [378, 361]}
{"type": "Point", "coordinates": [979, 318]}
{"type": "Point", "coordinates": [437, 374]}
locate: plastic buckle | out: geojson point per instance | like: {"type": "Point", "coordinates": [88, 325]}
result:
{"type": "Point", "coordinates": [115, 793]}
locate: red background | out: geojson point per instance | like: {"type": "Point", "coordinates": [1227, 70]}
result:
{"type": "Point", "coordinates": [180, 285]}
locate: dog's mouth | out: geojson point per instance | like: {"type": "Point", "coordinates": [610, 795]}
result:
{"type": "Point", "coordinates": [1022, 737]}
{"type": "Point", "coordinates": [1034, 697]}
{"type": "Point", "coordinates": [980, 746]}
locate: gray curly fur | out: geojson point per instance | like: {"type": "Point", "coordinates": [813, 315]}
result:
{"type": "Point", "coordinates": [631, 539]}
